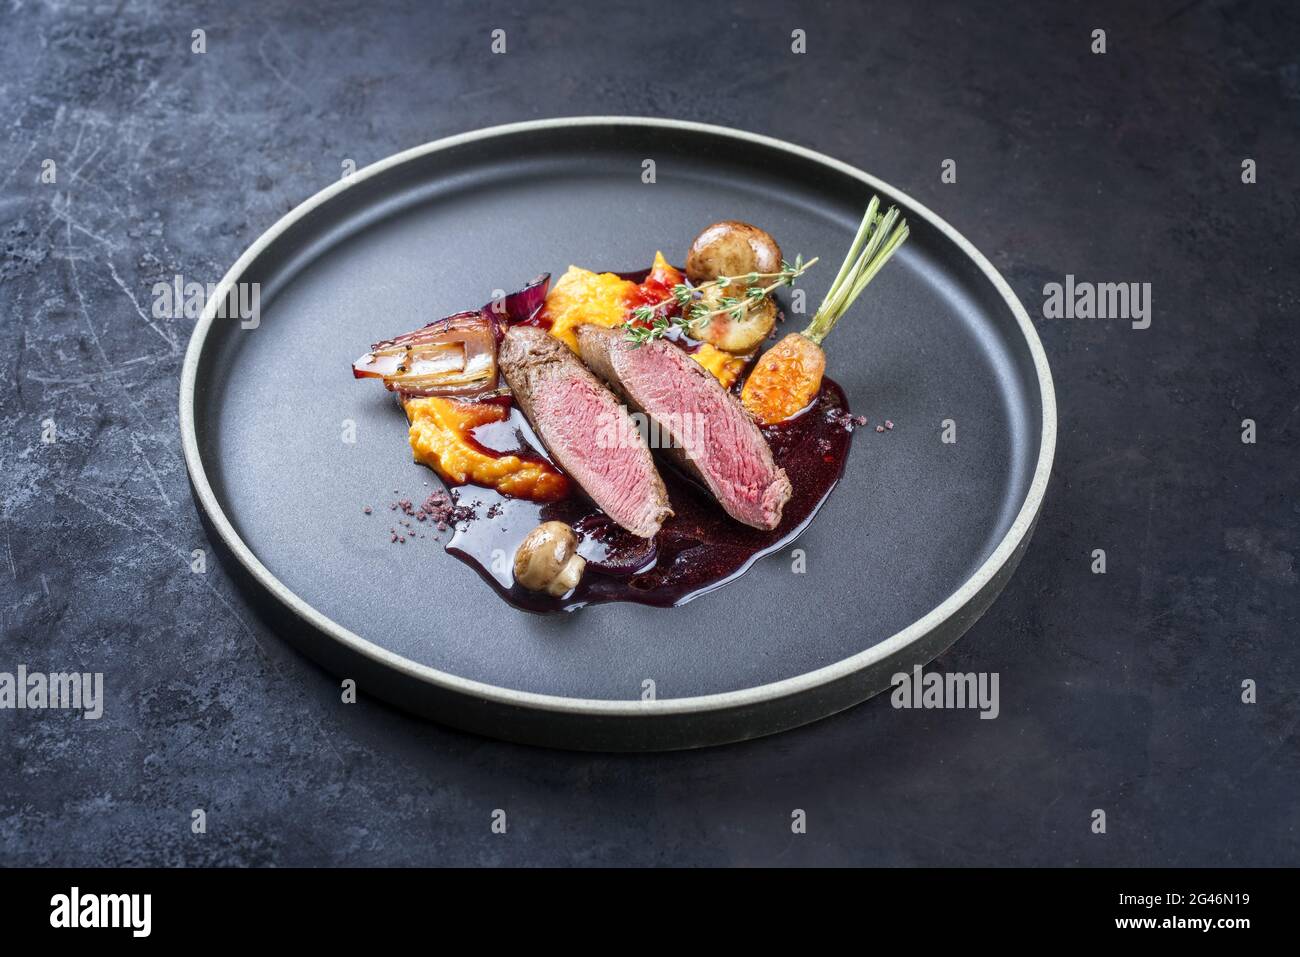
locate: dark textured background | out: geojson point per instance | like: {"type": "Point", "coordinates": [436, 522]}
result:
{"type": "Point", "coordinates": [1119, 692]}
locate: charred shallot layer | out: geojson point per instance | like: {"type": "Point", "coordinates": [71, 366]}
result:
{"type": "Point", "coordinates": [585, 429]}
{"type": "Point", "coordinates": [455, 356]}
{"type": "Point", "coordinates": [712, 436]}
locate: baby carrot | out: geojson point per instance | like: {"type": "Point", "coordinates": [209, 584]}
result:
{"type": "Point", "coordinates": [788, 376]}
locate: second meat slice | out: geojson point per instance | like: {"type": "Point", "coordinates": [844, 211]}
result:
{"type": "Point", "coordinates": [585, 429]}
{"type": "Point", "coordinates": [712, 436]}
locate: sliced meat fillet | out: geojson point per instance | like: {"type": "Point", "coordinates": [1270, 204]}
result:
{"type": "Point", "coordinates": [586, 430]}
{"type": "Point", "coordinates": [699, 424]}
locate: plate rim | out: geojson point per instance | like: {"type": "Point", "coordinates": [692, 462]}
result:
{"type": "Point", "coordinates": [1006, 551]}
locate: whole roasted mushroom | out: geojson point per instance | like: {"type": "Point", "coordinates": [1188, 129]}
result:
{"type": "Point", "coordinates": [548, 560]}
{"type": "Point", "coordinates": [732, 248]}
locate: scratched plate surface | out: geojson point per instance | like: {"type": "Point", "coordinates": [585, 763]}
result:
{"type": "Point", "coordinates": [914, 517]}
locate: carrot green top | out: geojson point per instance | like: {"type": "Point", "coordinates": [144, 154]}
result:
{"type": "Point", "coordinates": [878, 236]}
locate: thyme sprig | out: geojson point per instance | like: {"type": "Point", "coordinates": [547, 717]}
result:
{"type": "Point", "coordinates": [648, 322]}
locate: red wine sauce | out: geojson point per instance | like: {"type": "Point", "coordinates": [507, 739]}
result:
{"type": "Point", "coordinates": [697, 550]}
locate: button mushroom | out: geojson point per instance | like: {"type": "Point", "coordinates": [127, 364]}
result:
{"type": "Point", "coordinates": [731, 248]}
{"type": "Point", "coordinates": [548, 560]}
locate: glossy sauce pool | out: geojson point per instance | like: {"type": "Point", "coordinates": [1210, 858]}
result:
{"type": "Point", "coordinates": [697, 550]}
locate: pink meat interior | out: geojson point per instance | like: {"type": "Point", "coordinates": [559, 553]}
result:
{"type": "Point", "coordinates": [601, 448]}
{"type": "Point", "coordinates": [716, 435]}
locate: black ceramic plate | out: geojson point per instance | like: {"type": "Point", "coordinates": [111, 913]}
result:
{"type": "Point", "coordinates": [913, 545]}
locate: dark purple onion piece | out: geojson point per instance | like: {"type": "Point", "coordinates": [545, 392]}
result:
{"type": "Point", "coordinates": [520, 306]}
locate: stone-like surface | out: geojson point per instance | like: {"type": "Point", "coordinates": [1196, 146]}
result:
{"type": "Point", "coordinates": [1119, 692]}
